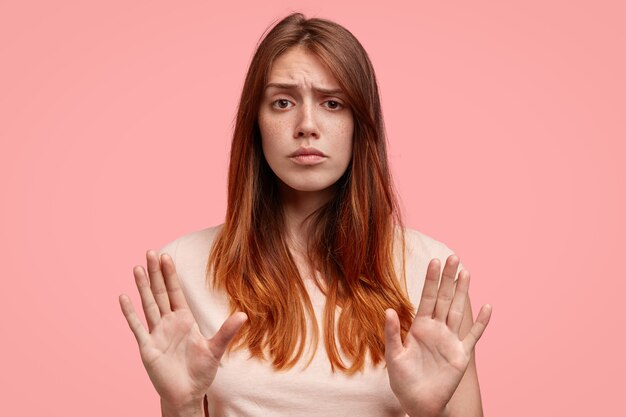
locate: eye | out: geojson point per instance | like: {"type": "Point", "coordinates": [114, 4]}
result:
{"type": "Point", "coordinates": [334, 105]}
{"type": "Point", "coordinates": [280, 103]}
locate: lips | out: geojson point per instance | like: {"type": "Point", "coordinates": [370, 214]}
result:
{"type": "Point", "coordinates": [307, 151]}
{"type": "Point", "coordinates": [308, 157]}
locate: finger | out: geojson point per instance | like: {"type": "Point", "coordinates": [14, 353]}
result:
{"type": "Point", "coordinates": [150, 307]}
{"type": "Point", "coordinates": [429, 293]}
{"type": "Point", "coordinates": [478, 328]}
{"type": "Point", "coordinates": [446, 289]}
{"type": "Point", "coordinates": [172, 283]}
{"type": "Point", "coordinates": [393, 339]}
{"type": "Point", "coordinates": [455, 316]}
{"type": "Point", "coordinates": [157, 283]}
{"type": "Point", "coordinates": [225, 334]}
{"type": "Point", "coordinates": [141, 335]}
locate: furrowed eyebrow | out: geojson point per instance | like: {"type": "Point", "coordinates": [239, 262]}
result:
{"type": "Point", "coordinates": [285, 86]}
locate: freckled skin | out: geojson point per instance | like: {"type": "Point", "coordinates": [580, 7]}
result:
{"type": "Point", "coordinates": [303, 117]}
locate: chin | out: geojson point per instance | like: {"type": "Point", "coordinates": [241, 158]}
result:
{"type": "Point", "coordinates": [309, 186]}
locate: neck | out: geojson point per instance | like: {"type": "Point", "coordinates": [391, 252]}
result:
{"type": "Point", "coordinates": [297, 206]}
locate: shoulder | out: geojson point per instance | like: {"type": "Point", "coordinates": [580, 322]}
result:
{"type": "Point", "coordinates": [419, 250]}
{"type": "Point", "coordinates": [190, 253]}
{"type": "Point", "coordinates": [424, 246]}
{"type": "Point", "coordinates": [192, 244]}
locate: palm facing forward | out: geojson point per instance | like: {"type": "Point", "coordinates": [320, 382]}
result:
{"type": "Point", "coordinates": [426, 369]}
{"type": "Point", "coordinates": [180, 361]}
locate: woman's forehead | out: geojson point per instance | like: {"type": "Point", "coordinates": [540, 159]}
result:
{"type": "Point", "coordinates": [297, 67]}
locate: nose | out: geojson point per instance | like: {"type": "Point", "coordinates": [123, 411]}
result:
{"type": "Point", "coordinates": [307, 125]}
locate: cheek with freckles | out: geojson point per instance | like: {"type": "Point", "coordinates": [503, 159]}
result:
{"type": "Point", "coordinates": [340, 140]}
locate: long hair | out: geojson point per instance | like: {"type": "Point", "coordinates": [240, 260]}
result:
{"type": "Point", "coordinates": [353, 233]}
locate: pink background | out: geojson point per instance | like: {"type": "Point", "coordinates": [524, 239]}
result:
{"type": "Point", "coordinates": [507, 139]}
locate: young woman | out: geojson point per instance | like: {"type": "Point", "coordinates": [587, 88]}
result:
{"type": "Point", "coordinates": [302, 302]}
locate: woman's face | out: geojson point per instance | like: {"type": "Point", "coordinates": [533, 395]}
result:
{"type": "Point", "coordinates": [305, 122]}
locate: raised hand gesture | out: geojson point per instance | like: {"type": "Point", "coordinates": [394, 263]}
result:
{"type": "Point", "coordinates": [180, 361]}
{"type": "Point", "coordinates": [425, 370]}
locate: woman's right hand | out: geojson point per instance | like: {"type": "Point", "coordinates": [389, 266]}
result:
{"type": "Point", "coordinates": [180, 361]}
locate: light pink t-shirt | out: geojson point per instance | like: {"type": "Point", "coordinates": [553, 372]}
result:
{"type": "Point", "coordinates": [249, 387]}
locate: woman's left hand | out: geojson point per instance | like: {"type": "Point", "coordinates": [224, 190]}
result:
{"type": "Point", "coordinates": [426, 369]}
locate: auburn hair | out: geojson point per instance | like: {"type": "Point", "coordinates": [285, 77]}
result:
{"type": "Point", "coordinates": [353, 234]}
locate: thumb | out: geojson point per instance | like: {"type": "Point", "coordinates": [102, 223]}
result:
{"type": "Point", "coordinates": [393, 341]}
{"type": "Point", "coordinates": [225, 334]}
